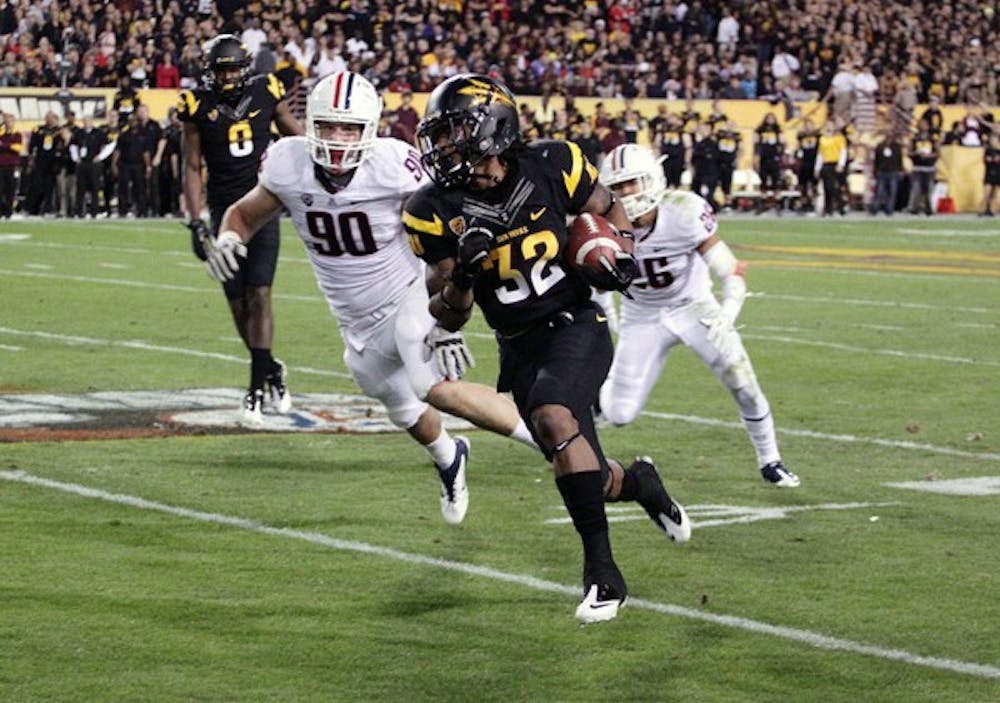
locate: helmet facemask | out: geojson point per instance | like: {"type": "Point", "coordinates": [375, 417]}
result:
{"type": "Point", "coordinates": [628, 163]}
{"type": "Point", "coordinates": [469, 119]}
{"type": "Point", "coordinates": [342, 99]}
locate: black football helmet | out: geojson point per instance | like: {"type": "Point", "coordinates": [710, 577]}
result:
{"type": "Point", "coordinates": [468, 118]}
{"type": "Point", "coordinates": [227, 65]}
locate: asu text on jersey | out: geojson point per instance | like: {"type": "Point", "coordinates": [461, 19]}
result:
{"type": "Point", "coordinates": [523, 281]}
{"type": "Point", "coordinates": [233, 135]}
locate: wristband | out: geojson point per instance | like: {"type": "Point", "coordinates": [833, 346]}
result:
{"type": "Point", "coordinates": [451, 308]}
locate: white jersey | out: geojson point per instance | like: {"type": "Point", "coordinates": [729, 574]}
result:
{"type": "Point", "coordinates": [671, 271]}
{"type": "Point", "coordinates": [354, 237]}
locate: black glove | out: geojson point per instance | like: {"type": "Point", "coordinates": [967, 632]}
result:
{"type": "Point", "coordinates": [617, 274]}
{"type": "Point", "coordinates": [200, 236]}
{"type": "Point", "coordinates": [473, 250]}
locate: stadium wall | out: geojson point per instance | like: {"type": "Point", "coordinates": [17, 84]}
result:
{"type": "Point", "coordinates": [960, 167]}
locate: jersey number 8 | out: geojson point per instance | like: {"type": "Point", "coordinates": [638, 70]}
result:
{"type": "Point", "coordinates": [241, 138]}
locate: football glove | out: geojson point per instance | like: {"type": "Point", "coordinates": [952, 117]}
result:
{"type": "Point", "coordinates": [720, 330]}
{"type": "Point", "coordinates": [450, 352]}
{"type": "Point", "coordinates": [199, 237]}
{"type": "Point", "coordinates": [617, 275]}
{"type": "Point", "coordinates": [222, 262]}
{"type": "Point", "coordinates": [473, 249]}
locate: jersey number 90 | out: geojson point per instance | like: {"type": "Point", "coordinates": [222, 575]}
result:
{"type": "Point", "coordinates": [350, 233]}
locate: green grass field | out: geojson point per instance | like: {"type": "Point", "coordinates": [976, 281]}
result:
{"type": "Point", "coordinates": [315, 567]}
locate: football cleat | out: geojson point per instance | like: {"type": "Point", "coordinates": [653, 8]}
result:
{"type": "Point", "coordinates": [603, 595]}
{"type": "Point", "coordinates": [454, 492]}
{"type": "Point", "coordinates": [776, 473]}
{"type": "Point", "coordinates": [277, 387]}
{"type": "Point", "coordinates": [665, 513]}
{"type": "Point", "coordinates": [253, 408]}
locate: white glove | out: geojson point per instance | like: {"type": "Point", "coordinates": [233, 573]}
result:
{"type": "Point", "coordinates": [450, 352]}
{"type": "Point", "coordinates": [720, 329]}
{"type": "Point", "coordinates": [222, 253]}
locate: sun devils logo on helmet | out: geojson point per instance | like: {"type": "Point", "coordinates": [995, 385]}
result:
{"type": "Point", "coordinates": [227, 65]}
{"type": "Point", "coordinates": [468, 119]}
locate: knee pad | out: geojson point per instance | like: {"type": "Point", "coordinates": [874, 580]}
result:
{"type": "Point", "coordinates": [406, 416]}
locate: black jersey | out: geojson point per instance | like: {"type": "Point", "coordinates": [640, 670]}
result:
{"type": "Point", "coordinates": [523, 282]}
{"type": "Point", "coordinates": [768, 139]}
{"type": "Point", "coordinates": [729, 144]}
{"type": "Point", "coordinates": [233, 134]}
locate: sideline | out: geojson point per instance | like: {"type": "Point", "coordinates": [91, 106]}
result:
{"type": "Point", "coordinates": [813, 639]}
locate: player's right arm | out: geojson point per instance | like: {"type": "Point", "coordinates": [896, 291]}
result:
{"type": "Point", "coordinates": [240, 222]}
{"type": "Point", "coordinates": [450, 285]}
{"type": "Point", "coordinates": [250, 213]}
{"type": "Point", "coordinates": [191, 146]}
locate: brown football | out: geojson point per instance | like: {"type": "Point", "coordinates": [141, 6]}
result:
{"type": "Point", "coordinates": [591, 239]}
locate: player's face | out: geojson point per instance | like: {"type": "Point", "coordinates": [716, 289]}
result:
{"type": "Point", "coordinates": [227, 77]}
{"type": "Point", "coordinates": [633, 187]}
{"type": "Point", "coordinates": [341, 133]}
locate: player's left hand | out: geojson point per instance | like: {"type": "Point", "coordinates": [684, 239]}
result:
{"type": "Point", "coordinates": [222, 262]}
{"type": "Point", "coordinates": [720, 329]}
{"type": "Point", "coordinates": [199, 237]}
{"type": "Point", "coordinates": [450, 351]}
{"type": "Point", "coordinates": [617, 275]}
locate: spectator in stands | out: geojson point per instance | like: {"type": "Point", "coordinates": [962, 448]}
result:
{"type": "Point", "coordinates": [840, 95]}
{"type": "Point", "coordinates": [126, 99]}
{"type": "Point", "coordinates": [11, 148]}
{"type": "Point", "coordinates": [167, 74]}
{"type": "Point", "coordinates": [933, 115]}
{"type": "Point", "coordinates": [863, 103]}
{"type": "Point", "coordinates": [888, 167]}
{"type": "Point", "coordinates": [923, 155]}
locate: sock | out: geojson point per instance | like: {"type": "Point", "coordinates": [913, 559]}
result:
{"type": "Point", "coordinates": [583, 495]}
{"type": "Point", "coordinates": [522, 434]}
{"type": "Point", "coordinates": [260, 366]}
{"type": "Point", "coordinates": [442, 450]}
{"type": "Point", "coordinates": [765, 443]}
{"type": "Point", "coordinates": [630, 487]}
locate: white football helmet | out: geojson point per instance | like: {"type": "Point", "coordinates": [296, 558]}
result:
{"type": "Point", "coordinates": [631, 162]}
{"type": "Point", "coordinates": [346, 98]}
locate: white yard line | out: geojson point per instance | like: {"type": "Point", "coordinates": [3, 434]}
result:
{"type": "Point", "coordinates": [874, 303]}
{"type": "Point", "coordinates": [868, 350]}
{"type": "Point", "coordinates": [812, 639]}
{"type": "Point", "coordinates": [204, 290]}
{"type": "Point", "coordinates": [846, 438]}
{"type": "Point", "coordinates": [146, 346]}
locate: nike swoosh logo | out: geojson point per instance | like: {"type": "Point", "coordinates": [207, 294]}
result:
{"type": "Point", "coordinates": [602, 318]}
{"type": "Point", "coordinates": [253, 113]}
{"type": "Point", "coordinates": [536, 214]}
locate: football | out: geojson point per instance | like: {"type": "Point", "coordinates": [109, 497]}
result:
{"type": "Point", "coordinates": [591, 239]}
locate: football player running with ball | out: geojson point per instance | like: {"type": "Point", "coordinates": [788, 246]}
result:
{"type": "Point", "coordinates": [227, 126]}
{"type": "Point", "coordinates": [344, 188]}
{"type": "Point", "coordinates": [492, 226]}
{"type": "Point", "coordinates": [671, 302]}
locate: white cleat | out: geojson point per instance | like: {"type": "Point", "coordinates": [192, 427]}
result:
{"type": "Point", "coordinates": [252, 414]}
{"type": "Point", "coordinates": [277, 385]}
{"type": "Point", "coordinates": [599, 605]}
{"type": "Point", "coordinates": [454, 492]}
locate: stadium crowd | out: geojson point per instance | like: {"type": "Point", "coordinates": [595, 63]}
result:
{"type": "Point", "coordinates": [871, 63]}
